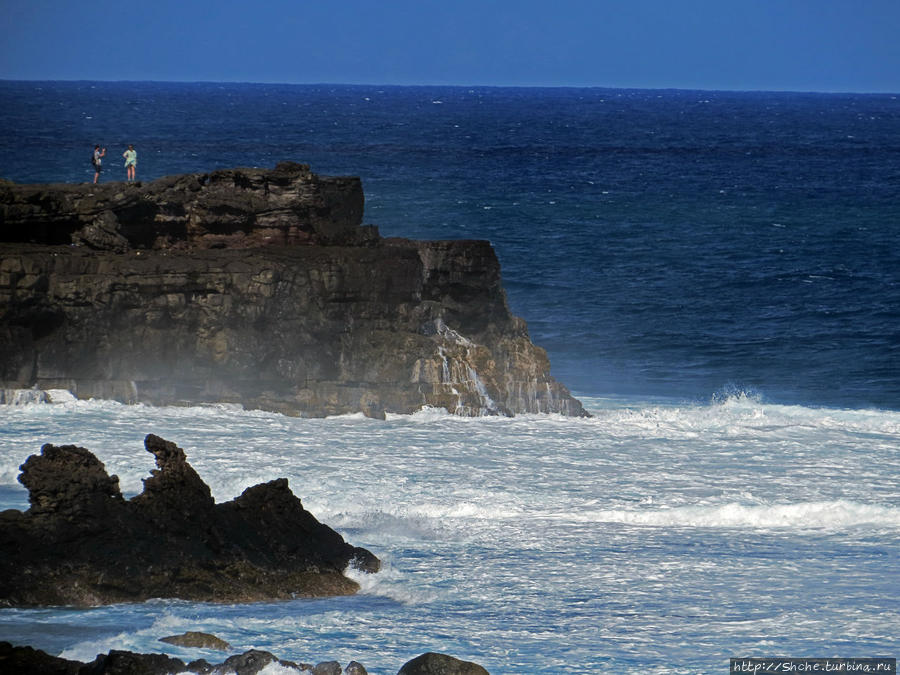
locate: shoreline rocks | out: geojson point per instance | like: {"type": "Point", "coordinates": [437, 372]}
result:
{"type": "Point", "coordinates": [29, 661]}
{"type": "Point", "coordinates": [81, 543]}
{"type": "Point", "coordinates": [255, 287]}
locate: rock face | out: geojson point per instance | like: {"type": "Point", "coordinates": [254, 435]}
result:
{"type": "Point", "coordinates": [81, 543]}
{"type": "Point", "coordinates": [257, 287]}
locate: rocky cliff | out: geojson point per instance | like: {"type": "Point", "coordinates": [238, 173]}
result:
{"type": "Point", "coordinates": [257, 287]}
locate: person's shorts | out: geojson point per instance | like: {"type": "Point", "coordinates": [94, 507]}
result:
{"type": "Point", "coordinates": [97, 168]}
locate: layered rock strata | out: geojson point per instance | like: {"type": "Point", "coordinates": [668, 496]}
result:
{"type": "Point", "coordinates": [81, 543]}
{"type": "Point", "coordinates": [256, 287]}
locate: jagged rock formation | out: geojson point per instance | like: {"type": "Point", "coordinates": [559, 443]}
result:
{"type": "Point", "coordinates": [81, 543]}
{"type": "Point", "coordinates": [254, 287]}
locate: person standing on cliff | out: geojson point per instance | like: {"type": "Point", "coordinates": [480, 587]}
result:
{"type": "Point", "coordinates": [130, 156]}
{"type": "Point", "coordinates": [97, 160]}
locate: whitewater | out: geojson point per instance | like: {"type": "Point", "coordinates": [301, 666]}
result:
{"type": "Point", "coordinates": [656, 536]}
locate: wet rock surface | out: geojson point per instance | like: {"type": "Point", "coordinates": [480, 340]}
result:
{"type": "Point", "coordinates": [81, 543]}
{"type": "Point", "coordinates": [256, 287]}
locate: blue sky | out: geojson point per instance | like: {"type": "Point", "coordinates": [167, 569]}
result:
{"type": "Point", "coordinates": [799, 45]}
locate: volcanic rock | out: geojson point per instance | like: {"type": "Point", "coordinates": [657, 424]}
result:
{"type": "Point", "coordinates": [256, 287]}
{"type": "Point", "coordinates": [250, 663]}
{"type": "Point", "coordinates": [28, 661]}
{"type": "Point", "coordinates": [197, 639]}
{"type": "Point", "coordinates": [81, 543]}
{"type": "Point", "coordinates": [432, 663]}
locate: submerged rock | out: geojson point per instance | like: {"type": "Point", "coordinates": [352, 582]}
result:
{"type": "Point", "coordinates": [82, 543]}
{"type": "Point", "coordinates": [256, 287]}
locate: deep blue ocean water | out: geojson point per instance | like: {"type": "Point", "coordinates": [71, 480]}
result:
{"type": "Point", "coordinates": [679, 244]}
{"type": "Point", "coordinates": [714, 274]}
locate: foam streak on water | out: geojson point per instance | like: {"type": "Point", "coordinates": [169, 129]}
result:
{"type": "Point", "coordinates": [651, 538]}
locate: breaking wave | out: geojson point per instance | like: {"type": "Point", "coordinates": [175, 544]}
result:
{"type": "Point", "coordinates": [824, 515]}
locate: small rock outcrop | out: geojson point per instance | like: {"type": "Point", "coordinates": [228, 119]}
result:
{"type": "Point", "coordinates": [81, 543]}
{"type": "Point", "coordinates": [198, 640]}
{"type": "Point", "coordinates": [433, 663]}
{"type": "Point", "coordinates": [256, 287]}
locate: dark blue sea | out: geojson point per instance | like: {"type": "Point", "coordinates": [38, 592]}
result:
{"type": "Point", "coordinates": [716, 275]}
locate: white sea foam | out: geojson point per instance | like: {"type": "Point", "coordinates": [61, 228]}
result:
{"type": "Point", "coordinates": [391, 583]}
{"type": "Point", "coordinates": [619, 527]}
{"type": "Point", "coordinates": [835, 515]}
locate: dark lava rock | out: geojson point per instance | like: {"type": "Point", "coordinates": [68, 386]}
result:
{"type": "Point", "coordinates": [228, 208]}
{"type": "Point", "coordinates": [440, 664]}
{"type": "Point", "coordinates": [28, 661]}
{"type": "Point", "coordinates": [256, 287]}
{"type": "Point", "coordinates": [128, 663]}
{"type": "Point", "coordinates": [250, 663]}
{"type": "Point", "coordinates": [81, 543]}
{"type": "Point", "coordinates": [198, 640]}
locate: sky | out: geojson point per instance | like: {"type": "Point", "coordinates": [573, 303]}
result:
{"type": "Point", "coordinates": [776, 45]}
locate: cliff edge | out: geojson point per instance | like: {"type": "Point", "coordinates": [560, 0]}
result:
{"type": "Point", "coordinates": [257, 287]}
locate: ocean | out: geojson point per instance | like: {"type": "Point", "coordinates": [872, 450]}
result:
{"type": "Point", "coordinates": [716, 275]}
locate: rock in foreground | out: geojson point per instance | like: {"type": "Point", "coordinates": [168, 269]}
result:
{"type": "Point", "coordinates": [28, 661]}
{"type": "Point", "coordinates": [256, 287]}
{"type": "Point", "coordinates": [81, 543]}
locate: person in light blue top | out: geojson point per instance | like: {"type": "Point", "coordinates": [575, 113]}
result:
{"type": "Point", "coordinates": [130, 156]}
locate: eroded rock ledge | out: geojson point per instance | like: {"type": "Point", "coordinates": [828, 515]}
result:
{"type": "Point", "coordinates": [257, 287]}
{"type": "Point", "coordinates": [81, 543]}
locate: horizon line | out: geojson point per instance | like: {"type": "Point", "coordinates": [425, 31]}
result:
{"type": "Point", "coordinates": [469, 86]}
